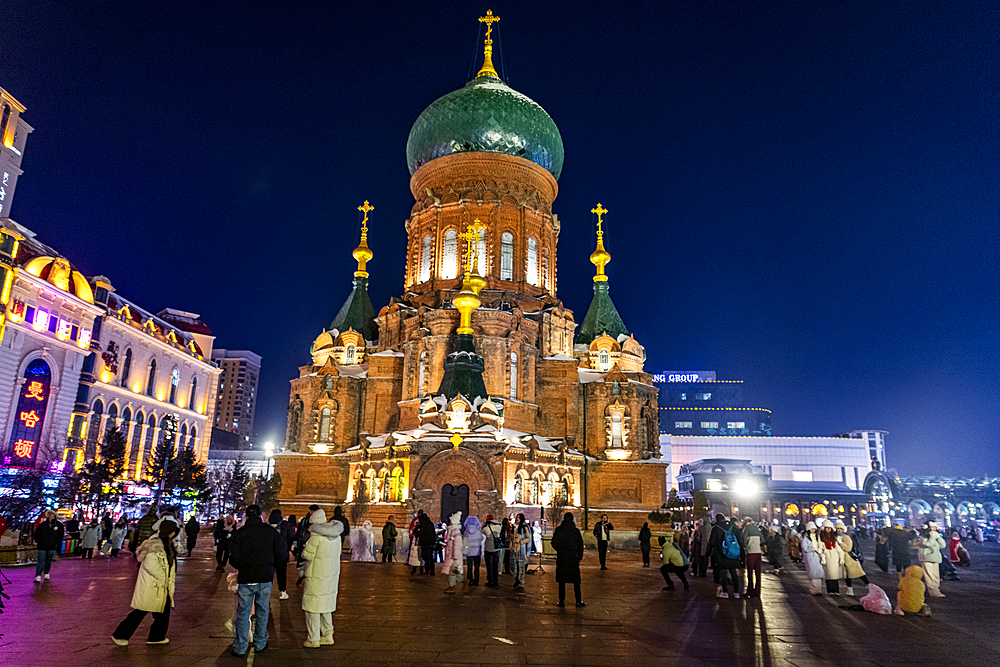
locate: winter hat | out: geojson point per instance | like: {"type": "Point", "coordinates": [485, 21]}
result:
{"type": "Point", "coordinates": [827, 524]}
{"type": "Point", "coordinates": [811, 525]}
{"type": "Point", "coordinates": [319, 516]}
{"type": "Point", "coordinates": [841, 525]}
{"type": "Point", "coordinates": [455, 518]}
{"type": "Point", "coordinates": [489, 517]}
{"type": "Point", "coordinates": [932, 525]}
{"type": "Point", "coordinates": [274, 516]}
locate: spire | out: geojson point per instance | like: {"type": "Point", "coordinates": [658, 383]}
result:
{"type": "Point", "coordinates": [468, 298]}
{"type": "Point", "coordinates": [487, 69]}
{"type": "Point", "coordinates": [362, 253]}
{"type": "Point", "coordinates": [600, 257]}
{"type": "Point", "coordinates": [602, 316]}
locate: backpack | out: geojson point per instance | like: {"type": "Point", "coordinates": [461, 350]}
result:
{"type": "Point", "coordinates": [684, 558]}
{"type": "Point", "coordinates": [730, 545]}
{"type": "Point", "coordinates": [497, 540]}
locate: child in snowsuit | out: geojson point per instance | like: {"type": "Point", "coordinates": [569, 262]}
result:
{"type": "Point", "coordinates": [910, 598]}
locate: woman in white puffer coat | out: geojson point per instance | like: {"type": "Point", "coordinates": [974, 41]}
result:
{"type": "Point", "coordinates": [154, 587]}
{"type": "Point", "coordinates": [811, 559]}
{"type": "Point", "coordinates": [319, 598]}
{"type": "Point", "coordinates": [853, 569]}
{"type": "Point", "coordinates": [832, 558]}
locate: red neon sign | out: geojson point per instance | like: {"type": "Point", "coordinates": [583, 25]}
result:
{"type": "Point", "coordinates": [23, 448]}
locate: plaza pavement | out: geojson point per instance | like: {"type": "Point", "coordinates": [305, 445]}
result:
{"type": "Point", "coordinates": [386, 616]}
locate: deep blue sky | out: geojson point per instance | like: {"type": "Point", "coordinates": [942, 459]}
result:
{"type": "Point", "coordinates": [803, 195]}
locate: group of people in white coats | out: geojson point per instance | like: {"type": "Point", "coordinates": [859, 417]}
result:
{"type": "Point", "coordinates": [829, 554]}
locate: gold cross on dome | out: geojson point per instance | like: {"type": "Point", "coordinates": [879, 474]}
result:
{"type": "Point", "coordinates": [600, 211]}
{"type": "Point", "coordinates": [365, 208]}
{"type": "Point", "coordinates": [471, 236]}
{"type": "Point", "coordinates": [489, 20]}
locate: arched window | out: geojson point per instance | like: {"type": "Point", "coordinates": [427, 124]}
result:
{"type": "Point", "coordinates": [481, 255]}
{"type": "Point", "coordinates": [422, 373]}
{"type": "Point", "coordinates": [545, 268]}
{"type": "Point", "coordinates": [126, 368]}
{"type": "Point", "coordinates": [324, 425]}
{"type": "Point", "coordinates": [616, 430]}
{"type": "Point", "coordinates": [513, 376]}
{"type": "Point", "coordinates": [151, 378]}
{"type": "Point", "coordinates": [94, 432]}
{"type": "Point", "coordinates": [532, 261]}
{"type": "Point", "coordinates": [147, 447]}
{"type": "Point", "coordinates": [518, 490]}
{"type": "Point", "coordinates": [194, 393]}
{"type": "Point", "coordinates": [564, 492]}
{"type": "Point", "coordinates": [398, 486]}
{"type": "Point", "coordinates": [449, 255]}
{"type": "Point", "coordinates": [350, 354]}
{"type": "Point", "coordinates": [193, 438]}
{"type": "Point", "coordinates": [182, 437]}
{"type": "Point", "coordinates": [136, 450]}
{"type": "Point", "coordinates": [4, 121]}
{"type": "Point", "coordinates": [383, 481]}
{"type": "Point", "coordinates": [112, 421]}
{"type": "Point", "coordinates": [175, 378]}
{"type": "Point", "coordinates": [425, 260]}
{"type": "Point", "coordinates": [162, 437]}
{"type": "Point", "coordinates": [535, 492]}
{"type": "Point", "coordinates": [506, 256]}
{"type": "Point", "coordinates": [328, 381]}
{"type": "Point", "coordinates": [604, 360]}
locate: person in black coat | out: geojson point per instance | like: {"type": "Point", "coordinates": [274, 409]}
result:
{"type": "Point", "coordinates": [645, 538]}
{"type": "Point", "coordinates": [191, 529]}
{"type": "Point", "coordinates": [253, 551]}
{"type": "Point", "coordinates": [568, 544]}
{"type": "Point", "coordinates": [426, 536]}
{"type": "Point", "coordinates": [899, 543]}
{"type": "Point", "coordinates": [728, 567]}
{"type": "Point", "coordinates": [602, 531]}
{"type": "Point", "coordinates": [48, 538]}
{"type": "Point", "coordinates": [276, 521]}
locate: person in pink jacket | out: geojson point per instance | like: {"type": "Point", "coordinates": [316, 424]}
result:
{"type": "Point", "coordinates": [453, 558]}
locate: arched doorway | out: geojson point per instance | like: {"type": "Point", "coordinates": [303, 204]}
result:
{"type": "Point", "coordinates": [454, 499]}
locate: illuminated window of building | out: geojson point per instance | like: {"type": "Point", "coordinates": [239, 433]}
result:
{"type": "Point", "coordinates": [112, 421]}
{"type": "Point", "coordinates": [791, 509]}
{"type": "Point", "coordinates": [328, 381]}
{"type": "Point", "coordinates": [94, 431]}
{"type": "Point", "coordinates": [802, 476]}
{"type": "Point", "coordinates": [564, 492]}
{"type": "Point", "coordinates": [481, 255]}
{"type": "Point", "coordinates": [513, 376]}
{"type": "Point", "coordinates": [421, 372]}
{"type": "Point", "coordinates": [710, 424]}
{"type": "Point", "coordinates": [736, 424]}
{"type": "Point", "coordinates": [398, 486]}
{"type": "Point", "coordinates": [532, 261]}
{"type": "Point", "coordinates": [194, 437]}
{"type": "Point", "coordinates": [449, 255]}
{"type": "Point", "coordinates": [4, 121]}
{"type": "Point", "coordinates": [133, 456]}
{"type": "Point", "coordinates": [536, 497]}
{"type": "Point", "coordinates": [703, 396]}
{"type": "Point", "coordinates": [162, 437]}
{"type": "Point", "coordinates": [126, 368]}
{"type": "Point", "coordinates": [545, 268]}
{"type": "Point", "coordinates": [175, 378]}
{"type": "Point", "coordinates": [506, 256]}
{"type": "Point", "coordinates": [819, 510]}
{"type": "Point", "coordinates": [182, 437]}
{"type": "Point", "coordinates": [682, 425]}
{"type": "Point", "coordinates": [194, 393]}
{"type": "Point", "coordinates": [425, 260]}
{"type": "Point", "coordinates": [604, 360]}
{"type": "Point", "coordinates": [616, 430]}
{"type": "Point", "coordinates": [148, 445]}
{"type": "Point", "coordinates": [324, 425]}
{"type": "Point", "coordinates": [151, 378]}
{"type": "Point", "coordinates": [350, 354]}
{"type": "Point", "coordinates": [518, 490]}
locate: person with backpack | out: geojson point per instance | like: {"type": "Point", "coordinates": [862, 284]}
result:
{"type": "Point", "coordinates": [602, 531]}
{"type": "Point", "coordinates": [674, 562]}
{"type": "Point", "coordinates": [752, 540]}
{"type": "Point", "coordinates": [493, 548]}
{"type": "Point", "coordinates": [727, 546]}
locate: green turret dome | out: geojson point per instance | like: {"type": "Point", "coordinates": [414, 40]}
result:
{"type": "Point", "coordinates": [489, 116]}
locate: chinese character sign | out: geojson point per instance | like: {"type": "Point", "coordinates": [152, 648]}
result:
{"type": "Point", "coordinates": [29, 418]}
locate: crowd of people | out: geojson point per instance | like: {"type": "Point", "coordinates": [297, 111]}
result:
{"type": "Point", "coordinates": [261, 552]}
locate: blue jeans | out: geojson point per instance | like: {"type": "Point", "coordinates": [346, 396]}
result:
{"type": "Point", "coordinates": [250, 596]}
{"type": "Point", "coordinates": [45, 558]}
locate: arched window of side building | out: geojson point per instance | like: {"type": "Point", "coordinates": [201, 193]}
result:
{"type": "Point", "coordinates": [194, 394]}
{"type": "Point", "coordinates": [151, 378]}
{"type": "Point", "coordinates": [604, 360]}
{"type": "Point", "coordinates": [506, 256]}
{"type": "Point", "coordinates": [616, 430]}
{"type": "Point", "coordinates": [422, 372]}
{"type": "Point", "coordinates": [175, 378]}
{"type": "Point", "coordinates": [449, 255]}
{"type": "Point", "coordinates": [513, 376]}
{"type": "Point", "coordinates": [94, 431]}
{"type": "Point", "coordinates": [324, 425]}
{"type": "Point", "coordinates": [532, 261]}
{"type": "Point", "coordinates": [425, 259]}
{"type": "Point", "coordinates": [350, 354]}
{"type": "Point", "coordinates": [545, 268]}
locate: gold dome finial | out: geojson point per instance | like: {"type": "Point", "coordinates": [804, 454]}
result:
{"type": "Point", "coordinates": [487, 69]}
{"type": "Point", "coordinates": [600, 257]}
{"type": "Point", "coordinates": [468, 298]}
{"type": "Point", "coordinates": [363, 253]}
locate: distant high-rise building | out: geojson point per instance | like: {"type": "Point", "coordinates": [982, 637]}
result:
{"type": "Point", "coordinates": [876, 446]}
{"type": "Point", "coordinates": [237, 396]}
{"type": "Point", "coordinates": [13, 134]}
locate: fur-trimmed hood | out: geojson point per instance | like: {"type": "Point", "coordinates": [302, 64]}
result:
{"type": "Point", "coordinates": [329, 530]}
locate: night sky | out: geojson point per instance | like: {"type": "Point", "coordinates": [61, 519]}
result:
{"type": "Point", "coordinates": [803, 195]}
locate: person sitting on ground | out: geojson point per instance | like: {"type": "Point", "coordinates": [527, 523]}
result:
{"type": "Point", "coordinates": [673, 562]}
{"type": "Point", "coordinates": [774, 541]}
{"type": "Point", "coordinates": [910, 598]}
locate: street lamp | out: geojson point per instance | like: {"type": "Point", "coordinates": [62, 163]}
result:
{"type": "Point", "coordinates": [268, 454]}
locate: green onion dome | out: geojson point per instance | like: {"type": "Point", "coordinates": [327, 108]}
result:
{"type": "Point", "coordinates": [489, 116]}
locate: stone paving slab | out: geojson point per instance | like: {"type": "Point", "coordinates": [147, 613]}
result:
{"type": "Point", "coordinates": [389, 617]}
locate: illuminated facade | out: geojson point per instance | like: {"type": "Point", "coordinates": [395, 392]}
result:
{"type": "Point", "coordinates": [697, 403]}
{"type": "Point", "coordinates": [13, 136]}
{"type": "Point", "coordinates": [475, 389]}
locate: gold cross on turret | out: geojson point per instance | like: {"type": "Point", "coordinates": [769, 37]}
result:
{"type": "Point", "coordinates": [487, 68]}
{"type": "Point", "coordinates": [365, 208]}
{"type": "Point", "coordinates": [600, 211]}
{"type": "Point", "coordinates": [600, 257]}
{"type": "Point", "coordinates": [363, 253]}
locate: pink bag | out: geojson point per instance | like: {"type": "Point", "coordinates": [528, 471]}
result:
{"type": "Point", "coordinates": [876, 600]}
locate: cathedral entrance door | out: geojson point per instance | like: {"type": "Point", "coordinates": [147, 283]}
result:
{"type": "Point", "coordinates": [454, 499]}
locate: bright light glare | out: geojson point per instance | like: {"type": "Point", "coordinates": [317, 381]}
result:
{"type": "Point", "coordinates": [745, 487]}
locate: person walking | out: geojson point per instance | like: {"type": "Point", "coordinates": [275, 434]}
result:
{"type": "Point", "coordinates": [645, 537]}
{"type": "Point", "coordinates": [144, 528]}
{"type": "Point", "coordinates": [90, 539]}
{"type": "Point", "coordinates": [520, 548]}
{"type": "Point", "coordinates": [301, 537]}
{"type": "Point", "coordinates": [154, 587]}
{"type": "Point", "coordinates": [703, 539]}
{"type": "Point", "coordinates": [507, 537]}
{"type": "Point", "coordinates": [929, 552]}
{"type": "Point", "coordinates": [493, 548]}
{"type": "Point", "coordinates": [793, 542]}
{"type": "Point", "coordinates": [673, 563]}
{"type": "Point", "coordinates": [223, 536]}
{"type": "Point", "coordinates": [811, 558]}
{"type": "Point", "coordinates": [388, 541]}
{"type": "Point", "coordinates": [338, 515]}
{"type": "Point", "coordinates": [957, 553]}
{"type": "Point", "coordinates": [427, 536]}
{"type": "Point", "coordinates": [117, 538]}
{"type": "Point", "coordinates": [452, 563]}
{"type": "Point", "coordinates": [48, 538]}
{"type": "Point", "coordinates": [568, 545]}
{"type": "Point", "coordinates": [474, 540]}
{"type": "Point", "coordinates": [602, 531]}
{"type": "Point", "coordinates": [107, 525]}
{"type": "Point", "coordinates": [191, 529]}
{"type": "Point", "coordinates": [73, 534]}
{"type": "Point", "coordinates": [754, 556]}
{"type": "Point", "coordinates": [853, 568]}
{"type": "Point", "coordinates": [254, 551]}
{"type": "Point", "coordinates": [319, 598]}
{"type": "Point", "coordinates": [832, 558]}
{"type": "Point", "coordinates": [280, 526]}
{"type": "Point", "coordinates": [413, 555]}
{"type": "Point", "coordinates": [727, 547]}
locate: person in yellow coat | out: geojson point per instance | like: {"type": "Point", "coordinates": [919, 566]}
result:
{"type": "Point", "coordinates": [910, 598]}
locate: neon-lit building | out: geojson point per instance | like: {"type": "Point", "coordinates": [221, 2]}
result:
{"type": "Point", "coordinates": [697, 403]}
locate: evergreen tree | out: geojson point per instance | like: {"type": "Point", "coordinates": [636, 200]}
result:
{"type": "Point", "coordinates": [267, 493]}
{"type": "Point", "coordinates": [185, 474]}
{"type": "Point", "coordinates": [700, 506]}
{"type": "Point", "coordinates": [239, 478]}
{"type": "Point", "coordinates": [160, 458]}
